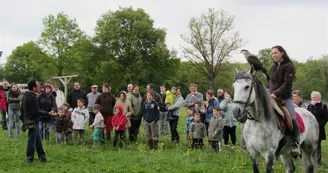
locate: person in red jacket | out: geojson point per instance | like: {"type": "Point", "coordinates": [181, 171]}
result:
{"type": "Point", "coordinates": [119, 125]}
{"type": "Point", "coordinates": [3, 108]}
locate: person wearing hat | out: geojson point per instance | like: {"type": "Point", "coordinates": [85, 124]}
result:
{"type": "Point", "coordinates": [298, 101]}
{"type": "Point", "coordinates": [91, 101]}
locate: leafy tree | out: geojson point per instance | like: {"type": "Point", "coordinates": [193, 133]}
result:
{"type": "Point", "coordinates": [209, 42]}
{"type": "Point", "coordinates": [265, 57]}
{"type": "Point", "coordinates": [128, 40]}
{"type": "Point", "coordinates": [57, 39]}
{"type": "Point", "coordinates": [2, 72]}
{"type": "Point", "coordinates": [27, 62]}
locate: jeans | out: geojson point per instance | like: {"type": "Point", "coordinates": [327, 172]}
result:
{"type": "Point", "coordinates": [119, 133]}
{"type": "Point", "coordinates": [229, 131]}
{"type": "Point", "coordinates": [174, 131]}
{"type": "Point", "coordinates": [290, 106]}
{"type": "Point", "coordinates": [319, 152]}
{"type": "Point", "coordinates": [3, 121]}
{"type": "Point", "coordinates": [134, 130]}
{"type": "Point", "coordinates": [60, 137]}
{"type": "Point", "coordinates": [197, 143]}
{"type": "Point", "coordinates": [44, 129]}
{"type": "Point", "coordinates": [76, 133]}
{"type": "Point", "coordinates": [164, 124]}
{"type": "Point", "coordinates": [13, 122]}
{"type": "Point", "coordinates": [34, 142]}
{"type": "Point", "coordinates": [108, 128]}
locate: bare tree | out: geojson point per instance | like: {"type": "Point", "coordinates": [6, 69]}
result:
{"type": "Point", "coordinates": [209, 42]}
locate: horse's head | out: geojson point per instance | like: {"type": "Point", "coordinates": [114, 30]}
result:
{"type": "Point", "coordinates": [244, 94]}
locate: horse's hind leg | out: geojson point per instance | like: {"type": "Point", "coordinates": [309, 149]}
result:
{"type": "Point", "coordinates": [269, 158]}
{"type": "Point", "coordinates": [255, 157]}
{"type": "Point", "coordinates": [287, 160]}
{"type": "Point", "coordinates": [309, 159]}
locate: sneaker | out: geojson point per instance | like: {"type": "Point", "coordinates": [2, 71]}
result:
{"type": "Point", "coordinates": [29, 159]}
{"type": "Point", "coordinates": [43, 159]}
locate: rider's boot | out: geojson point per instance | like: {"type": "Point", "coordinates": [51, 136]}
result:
{"type": "Point", "coordinates": [296, 151]}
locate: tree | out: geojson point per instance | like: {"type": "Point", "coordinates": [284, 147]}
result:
{"type": "Point", "coordinates": [210, 40]}
{"type": "Point", "coordinates": [57, 38]}
{"type": "Point", "coordinates": [265, 57]}
{"type": "Point", "coordinates": [27, 62]}
{"type": "Point", "coordinates": [128, 39]}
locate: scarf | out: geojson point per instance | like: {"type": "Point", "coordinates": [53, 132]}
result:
{"type": "Point", "coordinates": [14, 94]}
{"type": "Point", "coordinates": [315, 102]}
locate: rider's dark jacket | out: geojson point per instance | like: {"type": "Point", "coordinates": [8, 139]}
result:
{"type": "Point", "coordinates": [282, 75]}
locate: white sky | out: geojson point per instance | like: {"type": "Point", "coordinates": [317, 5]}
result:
{"type": "Point", "coordinates": [300, 26]}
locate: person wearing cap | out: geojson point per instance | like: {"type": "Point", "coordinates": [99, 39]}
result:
{"type": "Point", "coordinates": [91, 101]}
{"type": "Point", "coordinates": [298, 101]}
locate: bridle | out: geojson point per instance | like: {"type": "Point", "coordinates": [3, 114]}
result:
{"type": "Point", "coordinates": [247, 103]}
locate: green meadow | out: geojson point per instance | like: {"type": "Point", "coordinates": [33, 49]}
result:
{"type": "Point", "coordinates": [135, 157]}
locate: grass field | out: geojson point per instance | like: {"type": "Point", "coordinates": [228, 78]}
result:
{"type": "Point", "coordinates": [170, 157]}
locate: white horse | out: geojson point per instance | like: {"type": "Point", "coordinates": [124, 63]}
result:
{"type": "Point", "coordinates": [261, 130]}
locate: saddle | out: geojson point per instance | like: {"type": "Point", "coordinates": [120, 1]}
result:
{"type": "Point", "coordinates": [283, 114]}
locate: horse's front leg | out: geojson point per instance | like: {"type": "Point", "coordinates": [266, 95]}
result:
{"type": "Point", "coordinates": [269, 158]}
{"type": "Point", "coordinates": [255, 157]}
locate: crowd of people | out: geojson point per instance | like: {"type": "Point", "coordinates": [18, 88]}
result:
{"type": "Point", "coordinates": [44, 110]}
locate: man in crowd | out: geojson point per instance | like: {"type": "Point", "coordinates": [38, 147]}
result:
{"type": "Point", "coordinates": [75, 94]}
{"type": "Point", "coordinates": [107, 102]}
{"type": "Point", "coordinates": [193, 97]}
{"type": "Point", "coordinates": [91, 101]}
{"type": "Point", "coordinates": [220, 95]}
{"type": "Point", "coordinates": [130, 90]}
{"type": "Point", "coordinates": [31, 119]}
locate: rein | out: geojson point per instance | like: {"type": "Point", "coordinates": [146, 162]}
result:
{"type": "Point", "coordinates": [246, 104]}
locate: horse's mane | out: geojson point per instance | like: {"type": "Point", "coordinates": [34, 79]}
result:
{"type": "Point", "coordinates": [263, 96]}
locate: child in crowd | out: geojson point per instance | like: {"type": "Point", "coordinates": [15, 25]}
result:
{"type": "Point", "coordinates": [169, 100]}
{"type": "Point", "coordinates": [119, 125]}
{"type": "Point", "coordinates": [98, 125]}
{"type": "Point", "coordinates": [215, 129]}
{"type": "Point", "coordinates": [197, 132]}
{"type": "Point", "coordinates": [80, 116]}
{"type": "Point", "coordinates": [69, 128]}
{"type": "Point", "coordinates": [189, 120]}
{"type": "Point", "coordinates": [200, 111]}
{"type": "Point", "coordinates": [61, 126]}
{"type": "Point", "coordinates": [151, 116]}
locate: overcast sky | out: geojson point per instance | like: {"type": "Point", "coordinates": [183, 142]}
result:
{"type": "Point", "coordinates": [300, 26]}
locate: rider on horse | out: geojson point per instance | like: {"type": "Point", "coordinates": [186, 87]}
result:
{"type": "Point", "coordinates": [282, 74]}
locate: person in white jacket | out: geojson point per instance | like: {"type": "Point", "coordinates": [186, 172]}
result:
{"type": "Point", "coordinates": [80, 116]}
{"type": "Point", "coordinates": [59, 97]}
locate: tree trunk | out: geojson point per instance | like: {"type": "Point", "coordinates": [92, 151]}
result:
{"type": "Point", "coordinates": [60, 71]}
{"type": "Point", "coordinates": [211, 81]}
